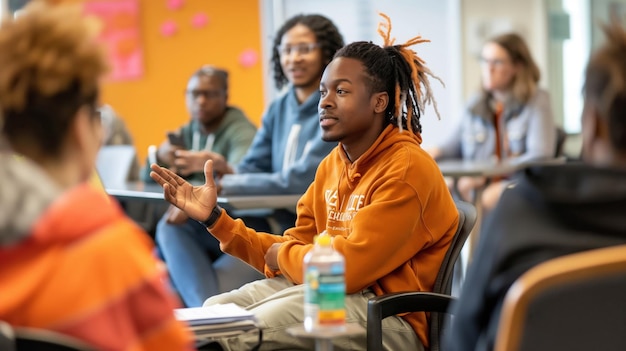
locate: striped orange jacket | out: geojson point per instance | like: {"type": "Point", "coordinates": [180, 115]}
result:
{"type": "Point", "coordinates": [88, 271]}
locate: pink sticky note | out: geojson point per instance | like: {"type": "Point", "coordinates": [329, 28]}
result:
{"type": "Point", "coordinates": [248, 58]}
{"type": "Point", "coordinates": [175, 4]}
{"type": "Point", "coordinates": [169, 28]}
{"type": "Point", "coordinates": [199, 20]}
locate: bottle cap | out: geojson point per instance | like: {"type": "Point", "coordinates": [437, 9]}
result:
{"type": "Point", "coordinates": [323, 239]}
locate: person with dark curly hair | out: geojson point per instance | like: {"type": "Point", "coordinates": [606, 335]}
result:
{"type": "Point", "coordinates": [379, 195]}
{"type": "Point", "coordinates": [282, 159]}
{"type": "Point", "coordinates": [72, 262]}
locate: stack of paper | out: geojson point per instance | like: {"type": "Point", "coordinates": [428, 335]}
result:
{"type": "Point", "coordinates": [217, 320]}
{"type": "Point", "coordinates": [215, 314]}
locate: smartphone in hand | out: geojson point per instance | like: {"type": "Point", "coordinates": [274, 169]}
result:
{"type": "Point", "coordinates": [175, 139]}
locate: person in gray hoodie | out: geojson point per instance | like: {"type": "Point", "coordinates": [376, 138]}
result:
{"type": "Point", "coordinates": [282, 159]}
{"type": "Point", "coordinates": [553, 210]}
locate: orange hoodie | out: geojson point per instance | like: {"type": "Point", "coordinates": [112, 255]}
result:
{"type": "Point", "coordinates": [87, 271]}
{"type": "Point", "coordinates": [390, 213]}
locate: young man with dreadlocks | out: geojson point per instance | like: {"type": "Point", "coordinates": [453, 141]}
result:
{"type": "Point", "coordinates": [381, 197]}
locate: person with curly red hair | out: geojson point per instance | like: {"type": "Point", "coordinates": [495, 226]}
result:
{"type": "Point", "coordinates": [72, 262]}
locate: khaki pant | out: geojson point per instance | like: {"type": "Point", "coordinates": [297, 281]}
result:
{"type": "Point", "coordinates": [278, 305]}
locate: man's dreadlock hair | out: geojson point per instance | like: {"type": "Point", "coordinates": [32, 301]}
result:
{"type": "Point", "coordinates": [326, 33]}
{"type": "Point", "coordinates": [398, 71]}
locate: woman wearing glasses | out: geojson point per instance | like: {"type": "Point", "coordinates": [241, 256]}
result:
{"type": "Point", "coordinates": [509, 118]}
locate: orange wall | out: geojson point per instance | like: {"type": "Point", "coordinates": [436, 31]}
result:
{"type": "Point", "coordinates": [154, 103]}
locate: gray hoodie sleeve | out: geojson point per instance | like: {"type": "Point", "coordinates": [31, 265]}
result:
{"type": "Point", "coordinates": [294, 179]}
{"type": "Point", "coordinates": [285, 152]}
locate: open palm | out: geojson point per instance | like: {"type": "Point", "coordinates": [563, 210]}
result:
{"type": "Point", "coordinates": [196, 201]}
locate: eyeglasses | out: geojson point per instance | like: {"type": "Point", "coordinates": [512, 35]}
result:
{"type": "Point", "coordinates": [300, 49]}
{"type": "Point", "coordinates": [497, 63]}
{"type": "Point", "coordinates": [207, 94]}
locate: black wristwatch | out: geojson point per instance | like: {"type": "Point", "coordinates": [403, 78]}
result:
{"type": "Point", "coordinates": [215, 214]}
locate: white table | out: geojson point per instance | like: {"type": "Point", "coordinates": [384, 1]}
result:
{"type": "Point", "coordinates": [488, 169]}
{"type": "Point", "coordinates": [462, 168]}
{"type": "Point", "coordinates": [154, 192]}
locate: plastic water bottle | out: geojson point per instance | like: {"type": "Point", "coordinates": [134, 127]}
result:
{"type": "Point", "coordinates": [325, 287]}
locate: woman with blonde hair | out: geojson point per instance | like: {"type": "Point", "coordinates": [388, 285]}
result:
{"type": "Point", "coordinates": [509, 119]}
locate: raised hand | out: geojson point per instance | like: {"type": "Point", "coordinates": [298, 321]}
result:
{"type": "Point", "coordinates": [196, 201]}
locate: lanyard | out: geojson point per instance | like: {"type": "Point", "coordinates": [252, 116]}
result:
{"type": "Point", "coordinates": [195, 144]}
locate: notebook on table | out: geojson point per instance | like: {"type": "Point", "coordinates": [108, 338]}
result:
{"type": "Point", "coordinates": [211, 322]}
{"type": "Point", "coordinates": [213, 315]}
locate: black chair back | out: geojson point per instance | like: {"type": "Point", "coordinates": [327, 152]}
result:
{"type": "Point", "coordinates": [29, 339]}
{"type": "Point", "coordinates": [561, 136]}
{"type": "Point", "coordinates": [436, 302]}
{"type": "Point", "coordinates": [443, 283]}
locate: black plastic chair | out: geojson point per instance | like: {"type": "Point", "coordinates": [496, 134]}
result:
{"type": "Point", "coordinates": [575, 302]}
{"type": "Point", "coordinates": [561, 137]}
{"type": "Point", "coordinates": [436, 302]}
{"type": "Point", "coordinates": [7, 337]}
{"type": "Point", "coordinates": [30, 339]}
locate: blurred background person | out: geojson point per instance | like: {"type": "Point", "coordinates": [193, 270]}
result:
{"type": "Point", "coordinates": [553, 210]}
{"type": "Point", "coordinates": [215, 128]}
{"type": "Point", "coordinates": [114, 128]}
{"type": "Point", "coordinates": [116, 133]}
{"type": "Point", "coordinates": [509, 119]}
{"type": "Point", "coordinates": [72, 262]}
{"type": "Point", "coordinates": [282, 159]}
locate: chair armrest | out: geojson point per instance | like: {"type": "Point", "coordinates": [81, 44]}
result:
{"type": "Point", "coordinates": [412, 301]}
{"type": "Point", "coordinates": [381, 307]}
